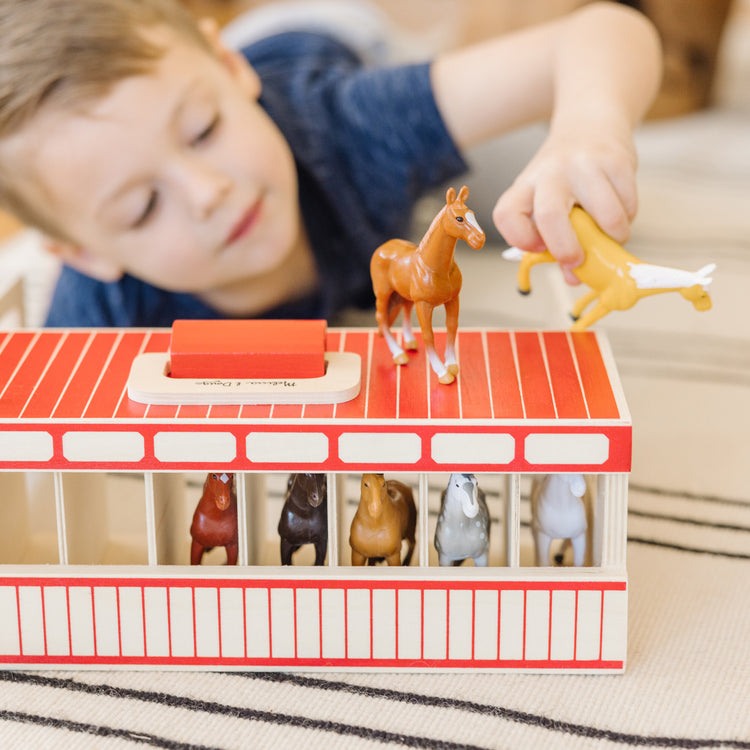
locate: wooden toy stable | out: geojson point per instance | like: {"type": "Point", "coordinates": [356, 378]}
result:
{"type": "Point", "coordinates": [524, 402]}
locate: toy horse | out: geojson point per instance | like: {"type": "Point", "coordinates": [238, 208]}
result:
{"type": "Point", "coordinates": [215, 519]}
{"type": "Point", "coordinates": [559, 511]}
{"type": "Point", "coordinates": [617, 279]}
{"type": "Point", "coordinates": [425, 276]}
{"type": "Point", "coordinates": [304, 517]}
{"type": "Point", "coordinates": [463, 527]}
{"type": "Point", "coordinates": [385, 516]}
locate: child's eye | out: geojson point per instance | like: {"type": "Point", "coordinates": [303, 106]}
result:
{"type": "Point", "coordinates": [148, 210]}
{"type": "Point", "coordinates": [206, 133]}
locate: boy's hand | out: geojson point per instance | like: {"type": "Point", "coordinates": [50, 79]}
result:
{"type": "Point", "coordinates": [592, 165]}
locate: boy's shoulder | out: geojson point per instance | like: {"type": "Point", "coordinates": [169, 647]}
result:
{"type": "Point", "coordinates": [295, 53]}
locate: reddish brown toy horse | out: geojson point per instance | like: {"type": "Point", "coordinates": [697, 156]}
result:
{"type": "Point", "coordinates": [215, 519]}
{"type": "Point", "coordinates": [386, 515]}
{"type": "Point", "coordinates": [425, 276]}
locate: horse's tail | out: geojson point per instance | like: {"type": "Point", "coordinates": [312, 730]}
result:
{"type": "Point", "coordinates": [513, 253]}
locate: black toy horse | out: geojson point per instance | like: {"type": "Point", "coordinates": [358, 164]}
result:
{"type": "Point", "coordinates": [304, 517]}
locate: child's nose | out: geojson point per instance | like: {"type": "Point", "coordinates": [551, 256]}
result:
{"type": "Point", "coordinates": [206, 187]}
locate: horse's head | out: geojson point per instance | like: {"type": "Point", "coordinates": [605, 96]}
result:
{"type": "Point", "coordinates": [698, 293]}
{"type": "Point", "coordinates": [464, 489]}
{"type": "Point", "coordinates": [576, 483]}
{"type": "Point", "coordinates": [372, 493]}
{"type": "Point", "coordinates": [459, 221]}
{"type": "Point", "coordinates": [218, 487]}
{"type": "Point", "coordinates": [313, 486]}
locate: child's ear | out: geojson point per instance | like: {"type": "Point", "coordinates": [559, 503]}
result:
{"type": "Point", "coordinates": [239, 68]}
{"type": "Point", "coordinates": [81, 260]}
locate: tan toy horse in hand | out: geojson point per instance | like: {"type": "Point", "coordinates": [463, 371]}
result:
{"type": "Point", "coordinates": [425, 276]}
{"type": "Point", "coordinates": [617, 279]}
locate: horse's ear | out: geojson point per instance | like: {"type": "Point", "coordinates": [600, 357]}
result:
{"type": "Point", "coordinates": [450, 196]}
{"type": "Point", "coordinates": [463, 194]}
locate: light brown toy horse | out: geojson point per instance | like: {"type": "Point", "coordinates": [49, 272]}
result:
{"type": "Point", "coordinates": [617, 279]}
{"type": "Point", "coordinates": [425, 276]}
{"type": "Point", "coordinates": [386, 515]}
{"type": "Point", "coordinates": [215, 519]}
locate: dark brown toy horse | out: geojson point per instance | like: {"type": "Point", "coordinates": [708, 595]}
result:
{"type": "Point", "coordinates": [304, 517]}
{"type": "Point", "coordinates": [425, 276]}
{"type": "Point", "coordinates": [386, 515]}
{"type": "Point", "coordinates": [215, 519]}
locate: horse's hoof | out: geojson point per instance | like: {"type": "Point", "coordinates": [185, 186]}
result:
{"type": "Point", "coordinates": [453, 369]}
{"type": "Point", "coordinates": [525, 292]}
{"type": "Point", "coordinates": [411, 345]}
{"type": "Point", "coordinates": [574, 317]}
{"type": "Point", "coordinates": [401, 359]}
{"type": "Point", "coordinates": [446, 379]}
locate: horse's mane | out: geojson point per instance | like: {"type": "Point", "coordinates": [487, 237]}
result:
{"type": "Point", "coordinates": [433, 225]}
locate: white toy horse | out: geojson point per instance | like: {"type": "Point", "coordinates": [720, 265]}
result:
{"type": "Point", "coordinates": [558, 511]}
{"type": "Point", "coordinates": [463, 527]}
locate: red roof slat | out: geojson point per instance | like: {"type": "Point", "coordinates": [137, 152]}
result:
{"type": "Point", "coordinates": [114, 377]}
{"type": "Point", "coordinates": [359, 342]}
{"type": "Point", "coordinates": [25, 379]}
{"type": "Point", "coordinates": [504, 385]}
{"type": "Point", "coordinates": [73, 401]}
{"type": "Point", "coordinates": [535, 386]}
{"type": "Point", "coordinates": [566, 385]}
{"type": "Point", "coordinates": [472, 376]}
{"type": "Point", "coordinates": [596, 387]}
{"type": "Point", "coordinates": [58, 373]}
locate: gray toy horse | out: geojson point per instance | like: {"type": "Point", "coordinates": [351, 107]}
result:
{"type": "Point", "coordinates": [463, 527]}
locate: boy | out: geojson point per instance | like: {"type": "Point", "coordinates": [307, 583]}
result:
{"type": "Point", "coordinates": [178, 179]}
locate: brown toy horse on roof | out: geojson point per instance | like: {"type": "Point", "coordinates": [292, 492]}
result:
{"type": "Point", "coordinates": [425, 276]}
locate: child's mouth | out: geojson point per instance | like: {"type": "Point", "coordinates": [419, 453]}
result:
{"type": "Point", "coordinates": [245, 223]}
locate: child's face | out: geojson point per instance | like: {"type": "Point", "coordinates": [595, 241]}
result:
{"type": "Point", "coordinates": [177, 177]}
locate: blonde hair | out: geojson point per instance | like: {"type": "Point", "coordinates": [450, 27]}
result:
{"type": "Point", "coordinates": [69, 52]}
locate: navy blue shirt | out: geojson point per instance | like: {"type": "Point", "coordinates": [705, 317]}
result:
{"type": "Point", "coordinates": [367, 144]}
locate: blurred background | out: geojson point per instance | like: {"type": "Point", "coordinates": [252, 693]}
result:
{"type": "Point", "coordinates": [701, 110]}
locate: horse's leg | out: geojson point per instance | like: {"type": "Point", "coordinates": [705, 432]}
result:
{"type": "Point", "coordinates": [579, 549]}
{"type": "Point", "coordinates": [409, 341]}
{"type": "Point", "coordinates": [196, 553]}
{"type": "Point", "coordinates": [524, 268]}
{"type": "Point", "coordinates": [320, 551]}
{"type": "Point", "coordinates": [451, 323]}
{"type": "Point", "coordinates": [232, 553]}
{"type": "Point", "coordinates": [382, 315]}
{"type": "Point", "coordinates": [395, 558]}
{"type": "Point", "coordinates": [582, 303]}
{"type": "Point", "coordinates": [444, 559]}
{"type": "Point", "coordinates": [424, 315]}
{"type": "Point", "coordinates": [482, 560]}
{"type": "Point", "coordinates": [287, 550]}
{"type": "Point", "coordinates": [542, 543]}
{"type": "Point", "coordinates": [357, 557]}
{"type": "Point", "coordinates": [596, 313]}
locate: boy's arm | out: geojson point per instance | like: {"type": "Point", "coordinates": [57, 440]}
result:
{"type": "Point", "coordinates": [593, 74]}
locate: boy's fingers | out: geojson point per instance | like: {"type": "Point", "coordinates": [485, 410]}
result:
{"type": "Point", "coordinates": [552, 205]}
{"type": "Point", "coordinates": [512, 217]}
{"type": "Point", "coordinates": [570, 278]}
{"type": "Point", "coordinates": [598, 196]}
